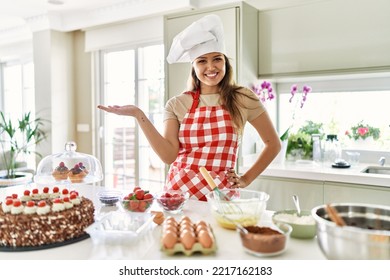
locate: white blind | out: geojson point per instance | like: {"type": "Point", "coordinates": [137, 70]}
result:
{"type": "Point", "coordinates": [142, 31]}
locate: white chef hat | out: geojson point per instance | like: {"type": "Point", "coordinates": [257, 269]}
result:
{"type": "Point", "coordinates": [201, 37]}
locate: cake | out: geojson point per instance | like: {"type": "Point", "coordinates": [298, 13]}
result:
{"type": "Point", "coordinates": [60, 172]}
{"type": "Point", "coordinates": [77, 173]}
{"type": "Point", "coordinates": [52, 219]}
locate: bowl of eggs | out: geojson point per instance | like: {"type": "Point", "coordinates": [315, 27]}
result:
{"type": "Point", "coordinates": [187, 237]}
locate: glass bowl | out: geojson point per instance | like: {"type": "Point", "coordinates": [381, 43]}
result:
{"type": "Point", "coordinates": [109, 197]}
{"type": "Point", "coordinates": [130, 203]}
{"type": "Point", "coordinates": [240, 206]}
{"type": "Point", "coordinates": [172, 201]}
{"type": "Point", "coordinates": [266, 240]}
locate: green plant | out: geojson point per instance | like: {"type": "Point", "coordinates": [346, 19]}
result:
{"type": "Point", "coordinates": [363, 131]}
{"type": "Point", "coordinates": [19, 139]}
{"type": "Point", "coordinates": [301, 142]}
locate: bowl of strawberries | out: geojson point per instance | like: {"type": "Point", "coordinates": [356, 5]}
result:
{"type": "Point", "coordinates": [139, 200]}
{"type": "Point", "coordinates": [172, 201]}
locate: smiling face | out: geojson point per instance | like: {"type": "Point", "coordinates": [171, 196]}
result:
{"type": "Point", "coordinates": [210, 70]}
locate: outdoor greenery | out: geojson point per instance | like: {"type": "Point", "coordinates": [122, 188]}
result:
{"type": "Point", "coordinates": [20, 138]}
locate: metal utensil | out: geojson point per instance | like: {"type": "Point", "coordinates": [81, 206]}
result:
{"type": "Point", "coordinates": [240, 227]}
{"type": "Point", "coordinates": [296, 202]}
{"type": "Point", "coordinates": [211, 183]}
{"type": "Point", "coordinates": [224, 202]}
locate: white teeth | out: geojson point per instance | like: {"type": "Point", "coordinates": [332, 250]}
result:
{"type": "Point", "coordinates": [211, 75]}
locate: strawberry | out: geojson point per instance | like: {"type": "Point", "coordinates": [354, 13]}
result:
{"type": "Point", "coordinates": [35, 191]}
{"type": "Point", "coordinates": [57, 200]}
{"type": "Point", "coordinates": [17, 203]}
{"type": "Point", "coordinates": [26, 193]}
{"type": "Point", "coordinates": [66, 199]}
{"type": "Point", "coordinates": [56, 190]}
{"type": "Point", "coordinates": [73, 196]}
{"type": "Point", "coordinates": [136, 188]}
{"type": "Point", "coordinates": [14, 196]}
{"type": "Point", "coordinates": [142, 206]}
{"type": "Point", "coordinates": [139, 194]}
{"type": "Point", "coordinates": [9, 201]}
{"type": "Point", "coordinates": [30, 203]}
{"type": "Point", "coordinates": [65, 191]}
{"type": "Point", "coordinates": [42, 203]}
{"type": "Point", "coordinates": [45, 190]}
{"type": "Point", "coordinates": [75, 192]}
{"type": "Point", "coordinates": [148, 196]}
{"type": "Point", "coordinates": [133, 205]}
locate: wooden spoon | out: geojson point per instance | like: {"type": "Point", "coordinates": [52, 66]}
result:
{"type": "Point", "coordinates": [334, 216]}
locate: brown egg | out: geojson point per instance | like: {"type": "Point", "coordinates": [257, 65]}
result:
{"type": "Point", "coordinates": [185, 219]}
{"type": "Point", "coordinates": [170, 227]}
{"type": "Point", "coordinates": [186, 225]}
{"type": "Point", "coordinates": [201, 225]}
{"type": "Point", "coordinates": [169, 239]}
{"type": "Point", "coordinates": [205, 239]}
{"type": "Point", "coordinates": [187, 238]}
{"type": "Point", "coordinates": [158, 220]}
{"type": "Point", "coordinates": [171, 219]}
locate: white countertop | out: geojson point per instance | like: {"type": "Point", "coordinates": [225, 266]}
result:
{"type": "Point", "coordinates": [148, 246]}
{"type": "Point", "coordinates": [309, 170]}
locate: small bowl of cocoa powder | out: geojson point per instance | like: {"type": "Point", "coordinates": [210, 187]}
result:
{"type": "Point", "coordinates": [266, 240]}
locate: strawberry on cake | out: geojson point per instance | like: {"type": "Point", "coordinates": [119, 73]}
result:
{"type": "Point", "coordinates": [52, 219]}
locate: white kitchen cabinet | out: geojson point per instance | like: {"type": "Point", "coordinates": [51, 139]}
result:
{"type": "Point", "coordinates": [281, 190]}
{"type": "Point", "coordinates": [354, 193]}
{"type": "Point", "coordinates": [325, 36]}
{"type": "Point", "coordinates": [240, 22]}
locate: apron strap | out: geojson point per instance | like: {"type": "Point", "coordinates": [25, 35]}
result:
{"type": "Point", "coordinates": [195, 102]}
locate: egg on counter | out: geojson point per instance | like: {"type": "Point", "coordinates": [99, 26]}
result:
{"type": "Point", "coordinates": [187, 238]}
{"type": "Point", "coordinates": [205, 238]}
{"type": "Point", "coordinates": [169, 239]}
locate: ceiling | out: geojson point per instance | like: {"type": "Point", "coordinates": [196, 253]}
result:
{"type": "Point", "coordinates": [19, 18]}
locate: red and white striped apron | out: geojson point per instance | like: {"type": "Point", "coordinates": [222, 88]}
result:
{"type": "Point", "coordinates": [207, 138]}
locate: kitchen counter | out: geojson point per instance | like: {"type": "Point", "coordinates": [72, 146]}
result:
{"type": "Point", "coordinates": [148, 246]}
{"type": "Point", "coordinates": [310, 170]}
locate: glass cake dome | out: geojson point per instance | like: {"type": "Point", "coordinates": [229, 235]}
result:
{"type": "Point", "coordinates": [69, 167]}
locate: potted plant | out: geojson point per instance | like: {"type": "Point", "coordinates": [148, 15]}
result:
{"type": "Point", "coordinates": [18, 139]}
{"type": "Point", "coordinates": [300, 144]}
{"type": "Point", "coordinates": [363, 132]}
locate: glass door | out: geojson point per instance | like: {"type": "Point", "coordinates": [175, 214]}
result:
{"type": "Point", "coordinates": [132, 76]}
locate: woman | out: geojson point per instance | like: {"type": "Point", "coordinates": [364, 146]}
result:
{"type": "Point", "coordinates": [202, 126]}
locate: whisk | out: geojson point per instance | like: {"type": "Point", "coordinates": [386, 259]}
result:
{"type": "Point", "coordinates": [224, 202]}
{"type": "Point", "coordinates": [212, 184]}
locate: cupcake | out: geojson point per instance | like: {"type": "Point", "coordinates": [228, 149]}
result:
{"type": "Point", "coordinates": [76, 174]}
{"type": "Point", "coordinates": [61, 172]}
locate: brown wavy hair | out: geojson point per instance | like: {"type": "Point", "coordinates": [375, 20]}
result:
{"type": "Point", "coordinates": [229, 93]}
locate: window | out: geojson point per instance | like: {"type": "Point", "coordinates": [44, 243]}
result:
{"type": "Point", "coordinates": [17, 92]}
{"type": "Point", "coordinates": [132, 76]}
{"type": "Point", "coordinates": [340, 104]}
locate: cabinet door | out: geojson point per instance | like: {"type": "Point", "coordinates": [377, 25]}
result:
{"type": "Point", "coordinates": [310, 193]}
{"type": "Point", "coordinates": [345, 193]}
{"type": "Point", "coordinates": [178, 73]}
